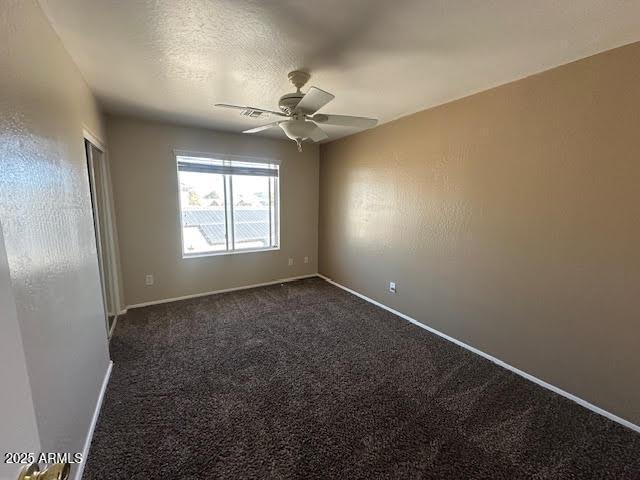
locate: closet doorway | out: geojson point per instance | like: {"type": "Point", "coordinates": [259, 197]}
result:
{"type": "Point", "coordinates": [104, 225]}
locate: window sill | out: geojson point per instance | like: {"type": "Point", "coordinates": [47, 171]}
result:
{"type": "Point", "coordinates": [186, 256]}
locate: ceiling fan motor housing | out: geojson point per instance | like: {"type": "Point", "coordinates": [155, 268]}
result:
{"type": "Point", "coordinates": [289, 102]}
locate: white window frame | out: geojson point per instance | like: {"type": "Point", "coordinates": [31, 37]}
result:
{"type": "Point", "coordinates": [275, 213]}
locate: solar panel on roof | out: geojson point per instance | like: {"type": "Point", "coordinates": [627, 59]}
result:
{"type": "Point", "coordinates": [192, 218]}
{"type": "Point", "coordinates": [250, 225]}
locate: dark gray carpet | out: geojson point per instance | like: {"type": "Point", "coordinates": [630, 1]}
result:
{"type": "Point", "coordinates": [304, 380]}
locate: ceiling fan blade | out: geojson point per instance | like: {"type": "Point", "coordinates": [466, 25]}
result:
{"type": "Point", "coordinates": [261, 128]}
{"type": "Point", "coordinates": [314, 100]}
{"type": "Point", "coordinates": [317, 134]}
{"type": "Point", "coordinates": [345, 120]}
{"type": "Point", "coordinates": [227, 105]}
{"type": "Point", "coordinates": [249, 109]}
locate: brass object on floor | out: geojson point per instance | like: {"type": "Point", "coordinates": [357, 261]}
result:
{"type": "Point", "coordinates": [57, 471]}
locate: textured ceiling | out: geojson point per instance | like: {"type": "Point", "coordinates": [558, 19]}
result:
{"type": "Point", "coordinates": [173, 59]}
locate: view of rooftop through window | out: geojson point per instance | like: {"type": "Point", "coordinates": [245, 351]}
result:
{"type": "Point", "coordinates": [227, 205]}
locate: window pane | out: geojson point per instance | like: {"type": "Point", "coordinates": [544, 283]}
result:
{"type": "Point", "coordinates": [227, 205]}
{"type": "Point", "coordinates": [202, 200]}
{"type": "Point", "coordinates": [251, 212]}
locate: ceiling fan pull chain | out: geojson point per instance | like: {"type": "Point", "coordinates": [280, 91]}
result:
{"type": "Point", "coordinates": [299, 143]}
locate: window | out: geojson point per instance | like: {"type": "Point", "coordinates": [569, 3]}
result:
{"type": "Point", "coordinates": [227, 205]}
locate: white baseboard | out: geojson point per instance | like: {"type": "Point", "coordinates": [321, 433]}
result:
{"type": "Point", "coordinates": [92, 426]}
{"type": "Point", "coordinates": [495, 360]}
{"type": "Point", "coordinates": [113, 327]}
{"type": "Point", "coordinates": [214, 292]}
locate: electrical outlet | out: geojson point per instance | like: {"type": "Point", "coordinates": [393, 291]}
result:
{"type": "Point", "coordinates": [392, 287]}
{"type": "Point", "coordinates": [290, 261]}
{"type": "Point", "coordinates": [306, 259]}
{"type": "Point", "coordinates": [148, 279]}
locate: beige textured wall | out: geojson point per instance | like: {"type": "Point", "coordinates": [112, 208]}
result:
{"type": "Point", "coordinates": [45, 211]}
{"type": "Point", "coordinates": [510, 220]}
{"type": "Point", "coordinates": [145, 185]}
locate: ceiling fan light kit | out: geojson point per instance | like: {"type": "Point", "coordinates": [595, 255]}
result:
{"type": "Point", "coordinates": [300, 111]}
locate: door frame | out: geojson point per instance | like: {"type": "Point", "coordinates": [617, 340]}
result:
{"type": "Point", "coordinates": [111, 233]}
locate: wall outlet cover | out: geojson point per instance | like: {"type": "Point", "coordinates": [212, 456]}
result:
{"type": "Point", "coordinates": [290, 261]}
{"type": "Point", "coordinates": [392, 287]}
{"type": "Point", "coordinates": [148, 280]}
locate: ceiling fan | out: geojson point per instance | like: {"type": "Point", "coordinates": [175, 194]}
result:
{"type": "Point", "coordinates": [299, 109]}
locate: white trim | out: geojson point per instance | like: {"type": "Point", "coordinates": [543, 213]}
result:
{"type": "Point", "coordinates": [112, 232]}
{"type": "Point", "coordinates": [186, 256]}
{"type": "Point", "coordinates": [495, 360]}
{"type": "Point", "coordinates": [215, 292]}
{"type": "Point", "coordinates": [113, 327]}
{"type": "Point", "coordinates": [97, 142]}
{"type": "Point", "coordinates": [94, 192]}
{"type": "Point", "coordinates": [92, 426]}
{"type": "Point", "coordinates": [226, 156]}
{"type": "Point", "coordinates": [111, 271]}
